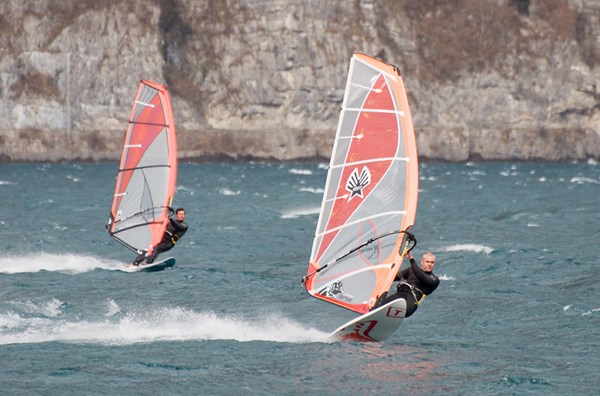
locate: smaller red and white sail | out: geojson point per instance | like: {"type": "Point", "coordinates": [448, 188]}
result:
{"type": "Point", "coordinates": [146, 179]}
{"type": "Point", "coordinates": [371, 190]}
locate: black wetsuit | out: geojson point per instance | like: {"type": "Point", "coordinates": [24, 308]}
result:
{"type": "Point", "coordinates": [423, 283]}
{"type": "Point", "coordinates": [175, 230]}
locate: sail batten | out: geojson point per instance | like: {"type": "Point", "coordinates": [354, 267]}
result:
{"type": "Point", "coordinates": [146, 178]}
{"type": "Point", "coordinates": [149, 123]}
{"type": "Point", "coordinates": [371, 188]}
{"type": "Point", "coordinates": [144, 104]}
{"type": "Point", "coordinates": [144, 167]}
{"type": "Point", "coordinates": [400, 113]}
{"type": "Point", "coordinates": [358, 221]}
{"type": "Point", "coordinates": [347, 164]}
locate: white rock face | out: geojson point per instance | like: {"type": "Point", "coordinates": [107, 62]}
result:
{"type": "Point", "coordinates": [491, 80]}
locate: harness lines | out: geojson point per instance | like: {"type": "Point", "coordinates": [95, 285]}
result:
{"type": "Point", "coordinates": [412, 290]}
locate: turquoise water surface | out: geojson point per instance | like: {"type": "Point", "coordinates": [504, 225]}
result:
{"type": "Point", "coordinates": [517, 310]}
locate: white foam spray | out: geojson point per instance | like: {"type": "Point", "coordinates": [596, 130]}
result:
{"type": "Point", "coordinates": [469, 247]}
{"type": "Point", "coordinates": [67, 263]}
{"type": "Point", "coordinates": [164, 324]}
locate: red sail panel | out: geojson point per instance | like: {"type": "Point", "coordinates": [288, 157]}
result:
{"type": "Point", "coordinates": [379, 140]}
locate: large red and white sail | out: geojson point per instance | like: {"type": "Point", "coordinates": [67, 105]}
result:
{"type": "Point", "coordinates": [371, 190]}
{"type": "Point", "coordinates": [146, 179]}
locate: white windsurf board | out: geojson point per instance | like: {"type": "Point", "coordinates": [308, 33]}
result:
{"type": "Point", "coordinates": [155, 266]}
{"type": "Point", "coordinates": [376, 325]}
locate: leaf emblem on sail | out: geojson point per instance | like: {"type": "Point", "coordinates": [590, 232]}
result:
{"type": "Point", "coordinates": [357, 183]}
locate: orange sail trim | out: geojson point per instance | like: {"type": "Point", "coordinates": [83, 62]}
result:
{"type": "Point", "coordinates": [371, 190]}
{"type": "Point", "coordinates": [147, 175]}
{"type": "Point", "coordinates": [407, 134]}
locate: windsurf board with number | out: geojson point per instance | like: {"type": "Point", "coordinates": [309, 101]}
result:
{"type": "Point", "coordinates": [376, 325]}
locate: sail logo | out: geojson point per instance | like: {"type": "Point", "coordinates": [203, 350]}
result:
{"type": "Point", "coordinates": [357, 183]}
{"type": "Point", "coordinates": [394, 312]}
{"type": "Point", "coordinates": [334, 290]}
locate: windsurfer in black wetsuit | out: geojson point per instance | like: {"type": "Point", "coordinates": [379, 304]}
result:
{"type": "Point", "coordinates": [415, 283]}
{"type": "Point", "coordinates": [175, 230]}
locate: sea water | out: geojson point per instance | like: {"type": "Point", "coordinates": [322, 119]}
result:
{"type": "Point", "coordinates": [517, 310]}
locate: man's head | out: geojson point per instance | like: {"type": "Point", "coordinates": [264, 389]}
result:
{"type": "Point", "coordinates": [180, 214]}
{"type": "Point", "coordinates": [428, 261]}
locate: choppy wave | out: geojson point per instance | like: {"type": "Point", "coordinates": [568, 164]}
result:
{"type": "Point", "coordinates": [445, 277]}
{"type": "Point", "coordinates": [227, 191]}
{"type": "Point", "coordinates": [591, 312]}
{"type": "Point", "coordinates": [50, 308]}
{"type": "Point", "coordinates": [183, 189]}
{"type": "Point", "coordinates": [297, 171]}
{"type": "Point", "coordinates": [469, 247]}
{"type": "Point", "coordinates": [165, 324]}
{"type": "Point", "coordinates": [312, 190]}
{"type": "Point", "coordinates": [582, 180]}
{"type": "Point", "coordinates": [293, 213]}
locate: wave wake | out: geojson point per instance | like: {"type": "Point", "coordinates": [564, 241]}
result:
{"type": "Point", "coordinates": [469, 247]}
{"type": "Point", "coordinates": [67, 263]}
{"type": "Point", "coordinates": [165, 324]}
{"type": "Point", "coordinates": [293, 213]}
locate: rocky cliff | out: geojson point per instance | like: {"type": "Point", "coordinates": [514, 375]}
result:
{"type": "Point", "coordinates": [487, 79]}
